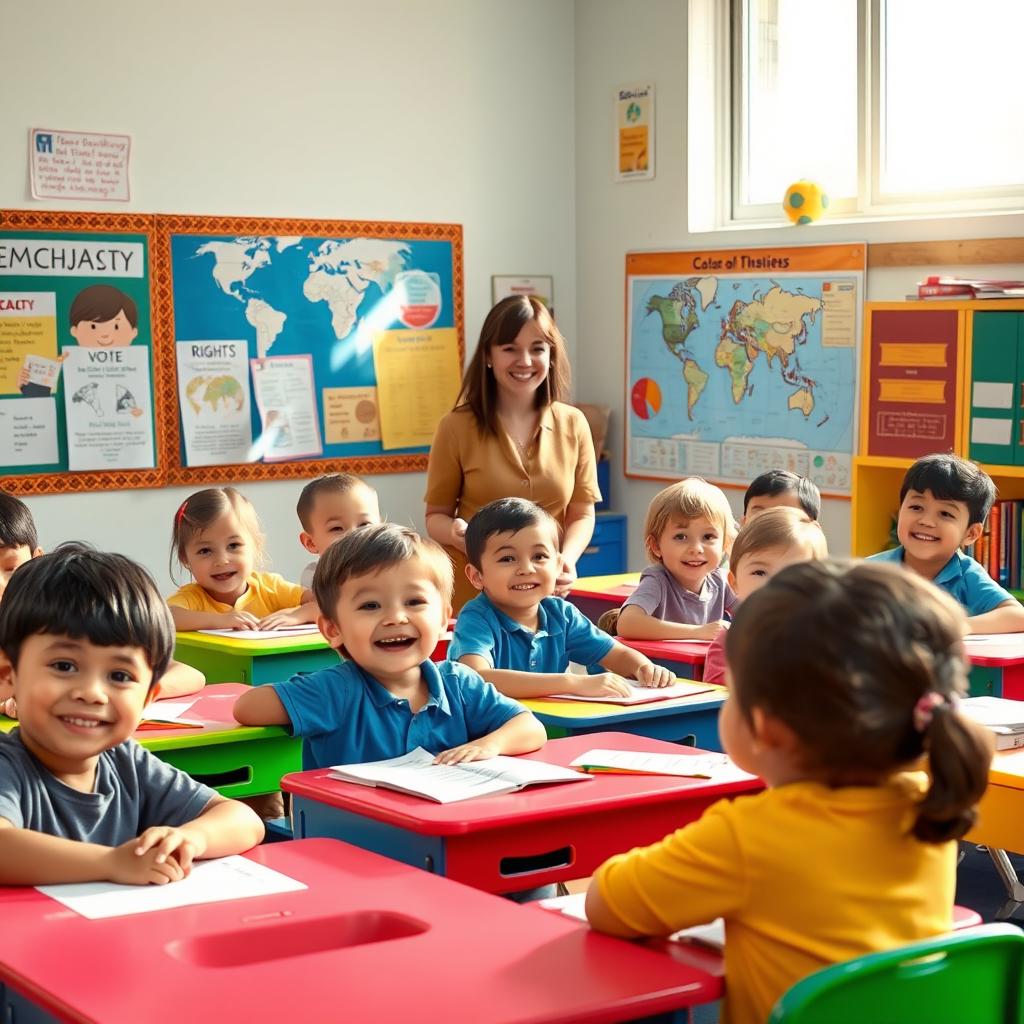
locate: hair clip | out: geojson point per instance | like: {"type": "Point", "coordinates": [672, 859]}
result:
{"type": "Point", "coordinates": [924, 709]}
{"type": "Point", "coordinates": [180, 514]}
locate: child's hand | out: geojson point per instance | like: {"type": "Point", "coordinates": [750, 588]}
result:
{"type": "Point", "coordinates": [239, 620]}
{"type": "Point", "coordinates": [170, 844]}
{"type": "Point", "coordinates": [654, 675]}
{"type": "Point", "coordinates": [283, 617]}
{"type": "Point", "coordinates": [472, 751]}
{"type": "Point", "coordinates": [126, 867]}
{"type": "Point", "coordinates": [604, 684]}
{"type": "Point", "coordinates": [708, 631]}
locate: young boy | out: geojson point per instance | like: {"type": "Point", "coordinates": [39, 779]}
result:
{"type": "Point", "coordinates": [18, 540]}
{"type": "Point", "coordinates": [84, 639]}
{"type": "Point", "coordinates": [385, 596]}
{"type": "Point", "coordinates": [944, 502]}
{"type": "Point", "coordinates": [515, 633]}
{"type": "Point", "coordinates": [779, 487]}
{"type": "Point", "coordinates": [328, 508]}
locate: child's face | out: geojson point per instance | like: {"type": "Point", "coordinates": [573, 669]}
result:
{"type": "Point", "coordinates": [11, 556]}
{"type": "Point", "coordinates": [518, 569]}
{"type": "Point", "coordinates": [221, 558]}
{"type": "Point", "coordinates": [76, 699]}
{"type": "Point", "coordinates": [931, 529]}
{"type": "Point", "coordinates": [333, 515]}
{"type": "Point", "coordinates": [104, 333]}
{"type": "Point", "coordinates": [690, 549]}
{"type": "Point", "coordinates": [389, 621]}
{"type": "Point", "coordinates": [756, 568]}
{"type": "Point", "coordinates": [763, 502]}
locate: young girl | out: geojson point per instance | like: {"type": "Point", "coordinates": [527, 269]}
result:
{"type": "Point", "coordinates": [842, 677]}
{"type": "Point", "coordinates": [217, 538]}
{"type": "Point", "coordinates": [684, 595]}
{"type": "Point", "coordinates": [769, 541]}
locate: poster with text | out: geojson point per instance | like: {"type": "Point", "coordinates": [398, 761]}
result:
{"type": "Point", "coordinates": [283, 386]}
{"type": "Point", "coordinates": [79, 165]}
{"type": "Point", "coordinates": [29, 431]}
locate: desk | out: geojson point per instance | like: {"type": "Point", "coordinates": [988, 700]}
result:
{"type": "Point", "coordinates": [683, 657]}
{"type": "Point", "coordinates": [225, 659]}
{"type": "Point", "coordinates": [515, 841]}
{"type": "Point", "coordinates": [1000, 824]}
{"type": "Point", "coordinates": [997, 667]}
{"type": "Point", "coordinates": [594, 595]}
{"type": "Point", "coordinates": [690, 720]}
{"type": "Point", "coordinates": [369, 940]}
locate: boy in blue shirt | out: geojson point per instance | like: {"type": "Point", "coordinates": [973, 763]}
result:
{"type": "Point", "coordinates": [84, 640]}
{"type": "Point", "coordinates": [515, 633]}
{"type": "Point", "coordinates": [944, 502]}
{"type": "Point", "coordinates": [385, 596]}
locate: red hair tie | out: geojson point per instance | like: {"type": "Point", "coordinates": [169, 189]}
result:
{"type": "Point", "coordinates": [180, 514]}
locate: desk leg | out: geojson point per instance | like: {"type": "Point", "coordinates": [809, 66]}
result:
{"type": "Point", "coordinates": [1014, 888]}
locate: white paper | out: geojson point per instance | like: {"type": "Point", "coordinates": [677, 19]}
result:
{"type": "Point", "coordinates": [283, 387]}
{"type": "Point", "coordinates": [214, 401]}
{"type": "Point", "coordinates": [108, 404]}
{"type": "Point", "coordinates": [304, 629]}
{"type": "Point", "coordinates": [79, 165]}
{"type": "Point", "coordinates": [28, 429]}
{"type": "Point", "coordinates": [642, 694]}
{"type": "Point", "coordinates": [211, 881]}
{"type": "Point", "coordinates": [415, 773]}
{"type": "Point", "coordinates": [995, 638]}
{"type": "Point", "coordinates": [994, 712]}
{"type": "Point", "coordinates": [708, 766]}
{"type": "Point", "coordinates": [168, 710]}
{"type": "Point", "coordinates": [992, 396]}
{"type": "Point", "coordinates": [989, 431]}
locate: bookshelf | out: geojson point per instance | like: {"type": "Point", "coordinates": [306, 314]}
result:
{"type": "Point", "coordinates": [916, 398]}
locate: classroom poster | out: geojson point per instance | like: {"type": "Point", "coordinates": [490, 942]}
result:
{"type": "Point", "coordinates": [350, 414]}
{"type": "Point", "coordinates": [283, 386]}
{"type": "Point", "coordinates": [107, 407]}
{"type": "Point", "coordinates": [29, 430]}
{"type": "Point", "coordinates": [28, 326]}
{"type": "Point", "coordinates": [79, 165]}
{"type": "Point", "coordinates": [634, 132]}
{"type": "Point", "coordinates": [214, 401]}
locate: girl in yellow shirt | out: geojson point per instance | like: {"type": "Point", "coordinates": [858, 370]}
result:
{"type": "Point", "coordinates": [842, 678]}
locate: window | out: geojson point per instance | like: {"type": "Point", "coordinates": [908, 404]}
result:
{"type": "Point", "coordinates": [893, 106]}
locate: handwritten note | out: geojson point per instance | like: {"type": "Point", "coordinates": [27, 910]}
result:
{"type": "Point", "coordinates": [79, 165]}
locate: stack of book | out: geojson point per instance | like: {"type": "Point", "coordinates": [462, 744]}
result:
{"type": "Point", "coordinates": [967, 289]}
{"type": "Point", "coordinates": [999, 547]}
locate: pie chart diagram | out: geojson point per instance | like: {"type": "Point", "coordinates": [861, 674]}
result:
{"type": "Point", "coordinates": [646, 398]}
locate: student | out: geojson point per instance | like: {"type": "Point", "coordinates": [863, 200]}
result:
{"type": "Point", "coordinates": [84, 640]}
{"type": "Point", "coordinates": [684, 594]}
{"type": "Point", "coordinates": [217, 538]}
{"type": "Point", "coordinates": [767, 543]}
{"type": "Point", "coordinates": [944, 502]}
{"type": "Point", "coordinates": [779, 487]}
{"type": "Point", "coordinates": [515, 633]}
{"type": "Point", "coordinates": [328, 508]}
{"type": "Point", "coordinates": [832, 705]}
{"type": "Point", "coordinates": [385, 596]}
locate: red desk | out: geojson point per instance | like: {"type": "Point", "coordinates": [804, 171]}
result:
{"type": "Point", "coordinates": [369, 940]}
{"type": "Point", "coordinates": [594, 595]}
{"type": "Point", "coordinates": [997, 667]}
{"type": "Point", "coordinates": [683, 657]}
{"type": "Point", "coordinates": [516, 841]}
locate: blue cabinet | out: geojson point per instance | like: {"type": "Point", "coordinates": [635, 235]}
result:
{"type": "Point", "coordinates": [607, 552]}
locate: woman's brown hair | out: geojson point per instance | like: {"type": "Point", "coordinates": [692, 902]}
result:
{"type": "Point", "coordinates": [501, 326]}
{"type": "Point", "coordinates": [864, 663]}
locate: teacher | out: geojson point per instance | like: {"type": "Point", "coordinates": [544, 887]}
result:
{"type": "Point", "coordinates": [512, 435]}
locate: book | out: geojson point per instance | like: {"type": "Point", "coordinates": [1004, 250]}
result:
{"type": "Point", "coordinates": [632, 762]}
{"type": "Point", "coordinates": [302, 629]}
{"type": "Point", "coordinates": [642, 694]}
{"type": "Point", "coordinates": [1004, 718]}
{"type": "Point", "coordinates": [944, 291]}
{"type": "Point", "coordinates": [416, 774]}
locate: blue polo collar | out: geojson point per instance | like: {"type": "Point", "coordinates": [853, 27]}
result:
{"type": "Point", "coordinates": [547, 625]}
{"type": "Point", "coordinates": [436, 695]}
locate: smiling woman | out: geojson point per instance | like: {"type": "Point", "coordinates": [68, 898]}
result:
{"type": "Point", "coordinates": [511, 435]}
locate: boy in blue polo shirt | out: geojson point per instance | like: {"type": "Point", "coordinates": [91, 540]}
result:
{"type": "Point", "coordinates": [944, 502]}
{"type": "Point", "coordinates": [385, 596]}
{"type": "Point", "coordinates": [515, 633]}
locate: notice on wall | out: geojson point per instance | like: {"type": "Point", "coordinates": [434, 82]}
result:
{"type": "Point", "coordinates": [28, 326]}
{"type": "Point", "coordinates": [351, 414]}
{"type": "Point", "coordinates": [107, 407]}
{"type": "Point", "coordinates": [214, 401]}
{"type": "Point", "coordinates": [79, 165]}
{"type": "Point", "coordinates": [30, 427]}
{"type": "Point", "coordinates": [283, 387]}
{"type": "Point", "coordinates": [634, 132]}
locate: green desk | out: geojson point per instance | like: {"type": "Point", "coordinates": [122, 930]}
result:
{"type": "Point", "coordinates": [237, 760]}
{"type": "Point", "coordinates": [223, 659]}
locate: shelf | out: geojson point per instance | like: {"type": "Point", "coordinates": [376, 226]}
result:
{"type": "Point", "coordinates": [1007, 472]}
{"type": "Point", "coordinates": [882, 462]}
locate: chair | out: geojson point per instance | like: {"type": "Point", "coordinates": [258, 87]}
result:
{"type": "Point", "coordinates": [961, 978]}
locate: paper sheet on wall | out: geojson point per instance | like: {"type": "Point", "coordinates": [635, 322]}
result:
{"type": "Point", "coordinates": [283, 388]}
{"type": "Point", "coordinates": [108, 405]}
{"type": "Point", "coordinates": [28, 328]}
{"type": "Point", "coordinates": [418, 375]}
{"type": "Point", "coordinates": [79, 165]}
{"type": "Point", "coordinates": [211, 881]}
{"type": "Point", "coordinates": [28, 427]}
{"type": "Point", "coordinates": [213, 395]}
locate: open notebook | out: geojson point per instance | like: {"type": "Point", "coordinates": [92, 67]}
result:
{"type": "Point", "coordinates": [717, 767]}
{"type": "Point", "coordinates": [643, 694]}
{"type": "Point", "coordinates": [280, 633]}
{"type": "Point", "coordinates": [416, 774]}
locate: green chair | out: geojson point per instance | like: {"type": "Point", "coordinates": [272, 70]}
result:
{"type": "Point", "coordinates": [970, 977]}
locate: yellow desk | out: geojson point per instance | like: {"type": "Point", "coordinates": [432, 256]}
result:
{"type": "Point", "coordinates": [225, 659]}
{"type": "Point", "coordinates": [1000, 824]}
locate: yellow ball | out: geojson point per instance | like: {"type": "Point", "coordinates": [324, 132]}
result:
{"type": "Point", "coordinates": [805, 201]}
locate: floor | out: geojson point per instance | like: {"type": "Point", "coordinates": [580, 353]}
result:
{"type": "Point", "coordinates": [980, 888]}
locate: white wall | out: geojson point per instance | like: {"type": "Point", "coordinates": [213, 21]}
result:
{"type": "Point", "coordinates": [453, 110]}
{"type": "Point", "coordinates": [619, 42]}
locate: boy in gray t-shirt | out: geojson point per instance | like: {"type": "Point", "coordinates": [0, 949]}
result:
{"type": "Point", "coordinates": [84, 639]}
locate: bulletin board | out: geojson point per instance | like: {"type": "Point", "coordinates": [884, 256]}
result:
{"type": "Point", "coordinates": [305, 346]}
{"type": "Point", "coordinates": [80, 403]}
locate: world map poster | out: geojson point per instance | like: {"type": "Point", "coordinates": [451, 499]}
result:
{"type": "Point", "coordinates": [741, 361]}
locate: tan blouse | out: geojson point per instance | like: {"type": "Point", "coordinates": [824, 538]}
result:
{"type": "Point", "coordinates": [469, 468]}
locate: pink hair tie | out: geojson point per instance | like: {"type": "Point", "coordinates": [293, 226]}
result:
{"type": "Point", "coordinates": [924, 709]}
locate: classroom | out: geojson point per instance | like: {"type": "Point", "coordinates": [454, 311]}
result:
{"type": "Point", "coordinates": [496, 132]}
